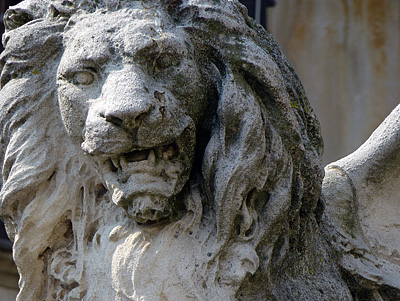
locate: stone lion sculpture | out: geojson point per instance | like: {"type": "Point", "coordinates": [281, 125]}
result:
{"type": "Point", "coordinates": [160, 150]}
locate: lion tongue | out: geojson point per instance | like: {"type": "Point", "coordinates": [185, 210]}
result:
{"type": "Point", "coordinates": [136, 156]}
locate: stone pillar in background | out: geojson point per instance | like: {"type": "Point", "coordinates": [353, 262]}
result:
{"type": "Point", "coordinates": [347, 56]}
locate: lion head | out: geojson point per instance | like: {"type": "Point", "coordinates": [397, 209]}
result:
{"type": "Point", "coordinates": [187, 116]}
{"type": "Point", "coordinates": [132, 94]}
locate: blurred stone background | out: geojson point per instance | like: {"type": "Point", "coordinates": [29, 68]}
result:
{"type": "Point", "coordinates": [347, 54]}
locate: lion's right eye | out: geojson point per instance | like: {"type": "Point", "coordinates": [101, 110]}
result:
{"type": "Point", "coordinates": [83, 78]}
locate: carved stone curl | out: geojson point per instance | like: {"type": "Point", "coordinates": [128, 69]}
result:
{"type": "Point", "coordinates": [158, 150]}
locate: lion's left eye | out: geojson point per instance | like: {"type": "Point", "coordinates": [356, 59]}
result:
{"type": "Point", "coordinates": [165, 61]}
{"type": "Point", "coordinates": [84, 78]}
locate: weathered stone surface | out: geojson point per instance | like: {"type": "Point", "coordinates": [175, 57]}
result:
{"type": "Point", "coordinates": [160, 150]}
{"type": "Point", "coordinates": [362, 213]}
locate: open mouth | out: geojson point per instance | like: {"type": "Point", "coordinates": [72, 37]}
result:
{"type": "Point", "coordinates": [165, 152]}
{"type": "Point", "coordinates": [145, 181]}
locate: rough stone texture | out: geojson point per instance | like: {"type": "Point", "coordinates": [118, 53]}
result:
{"type": "Point", "coordinates": [347, 54]}
{"type": "Point", "coordinates": [161, 150]}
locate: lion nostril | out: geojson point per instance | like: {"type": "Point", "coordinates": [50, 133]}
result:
{"type": "Point", "coordinates": [113, 119]}
{"type": "Point", "coordinates": [128, 118]}
{"type": "Point", "coordinates": [140, 116]}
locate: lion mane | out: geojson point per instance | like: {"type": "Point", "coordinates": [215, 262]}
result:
{"type": "Point", "coordinates": [251, 204]}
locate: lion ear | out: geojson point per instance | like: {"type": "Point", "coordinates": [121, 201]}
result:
{"type": "Point", "coordinates": [63, 10]}
{"type": "Point", "coordinates": [14, 18]}
{"type": "Point", "coordinates": [19, 16]}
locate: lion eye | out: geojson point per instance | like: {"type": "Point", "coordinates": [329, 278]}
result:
{"type": "Point", "coordinates": [165, 61]}
{"type": "Point", "coordinates": [83, 78]}
{"type": "Point", "coordinates": [14, 18]}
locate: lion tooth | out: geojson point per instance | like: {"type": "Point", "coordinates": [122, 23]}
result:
{"type": "Point", "coordinates": [172, 171]}
{"type": "Point", "coordinates": [115, 161]}
{"type": "Point", "coordinates": [123, 162]}
{"type": "Point", "coordinates": [152, 157]}
{"type": "Point", "coordinates": [117, 196]}
{"type": "Point", "coordinates": [118, 232]}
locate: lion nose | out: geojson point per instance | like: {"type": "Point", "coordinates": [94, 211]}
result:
{"type": "Point", "coordinates": [128, 116]}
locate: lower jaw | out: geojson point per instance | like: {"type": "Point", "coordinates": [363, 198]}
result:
{"type": "Point", "coordinates": [149, 215]}
{"type": "Point", "coordinates": [145, 209]}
